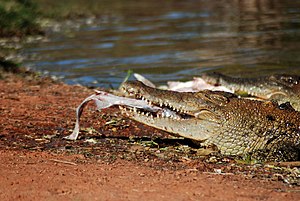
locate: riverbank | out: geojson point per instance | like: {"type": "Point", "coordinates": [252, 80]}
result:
{"type": "Point", "coordinates": [114, 158]}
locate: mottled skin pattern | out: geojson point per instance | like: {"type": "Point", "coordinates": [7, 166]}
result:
{"type": "Point", "coordinates": [265, 129]}
{"type": "Point", "coordinates": [281, 88]}
{"type": "Point", "coordinates": [237, 126]}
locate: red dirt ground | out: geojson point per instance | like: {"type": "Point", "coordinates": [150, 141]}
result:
{"type": "Point", "coordinates": [126, 161]}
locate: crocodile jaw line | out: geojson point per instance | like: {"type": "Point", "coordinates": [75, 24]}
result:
{"type": "Point", "coordinates": [191, 127]}
{"type": "Point", "coordinates": [170, 118]}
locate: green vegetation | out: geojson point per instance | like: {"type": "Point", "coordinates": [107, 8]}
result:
{"type": "Point", "coordinates": [22, 17]}
{"type": "Point", "coordinates": [18, 18]}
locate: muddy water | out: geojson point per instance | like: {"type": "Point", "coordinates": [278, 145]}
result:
{"type": "Point", "coordinates": [173, 40]}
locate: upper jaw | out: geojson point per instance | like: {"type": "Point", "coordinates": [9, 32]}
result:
{"type": "Point", "coordinates": [154, 97]}
{"type": "Point", "coordinates": [183, 104]}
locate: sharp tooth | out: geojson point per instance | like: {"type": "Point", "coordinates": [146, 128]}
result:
{"type": "Point", "coordinates": [134, 109]}
{"type": "Point", "coordinates": [160, 104]}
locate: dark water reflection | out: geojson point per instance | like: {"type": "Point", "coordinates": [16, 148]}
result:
{"type": "Point", "coordinates": [175, 40]}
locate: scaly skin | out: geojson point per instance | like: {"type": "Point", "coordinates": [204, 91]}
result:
{"type": "Point", "coordinates": [281, 88]}
{"type": "Point", "coordinates": [264, 129]}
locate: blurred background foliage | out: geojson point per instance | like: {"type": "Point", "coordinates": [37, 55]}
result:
{"type": "Point", "coordinates": [18, 18]}
{"type": "Point", "coordinates": [23, 17]}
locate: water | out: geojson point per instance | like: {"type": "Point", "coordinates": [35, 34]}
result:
{"type": "Point", "coordinates": [174, 40]}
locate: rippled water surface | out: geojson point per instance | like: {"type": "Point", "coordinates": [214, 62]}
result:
{"type": "Point", "coordinates": [173, 40]}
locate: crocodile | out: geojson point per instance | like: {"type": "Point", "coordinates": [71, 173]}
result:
{"type": "Point", "coordinates": [279, 87]}
{"type": "Point", "coordinates": [265, 130]}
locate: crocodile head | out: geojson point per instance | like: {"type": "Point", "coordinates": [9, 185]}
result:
{"type": "Point", "coordinates": [235, 125]}
{"type": "Point", "coordinates": [188, 114]}
{"type": "Point", "coordinates": [280, 87]}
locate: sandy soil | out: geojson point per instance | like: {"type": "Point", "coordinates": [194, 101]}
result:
{"type": "Point", "coordinates": [114, 158]}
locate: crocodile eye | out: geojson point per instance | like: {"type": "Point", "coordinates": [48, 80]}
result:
{"type": "Point", "coordinates": [286, 106]}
